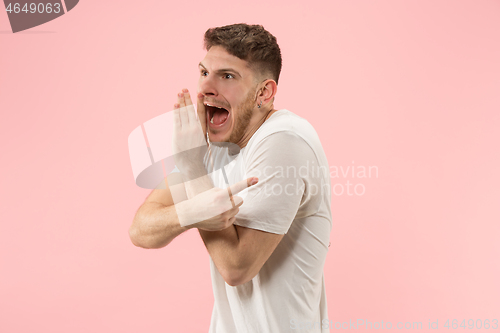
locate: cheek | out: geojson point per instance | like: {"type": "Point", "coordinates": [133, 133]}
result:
{"type": "Point", "coordinates": [233, 96]}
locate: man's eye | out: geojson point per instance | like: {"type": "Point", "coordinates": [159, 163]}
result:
{"type": "Point", "coordinates": [203, 73]}
{"type": "Point", "coordinates": [228, 76]}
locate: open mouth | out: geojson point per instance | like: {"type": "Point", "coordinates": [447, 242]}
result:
{"type": "Point", "coordinates": [217, 116]}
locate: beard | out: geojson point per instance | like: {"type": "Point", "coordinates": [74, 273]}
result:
{"type": "Point", "coordinates": [243, 119]}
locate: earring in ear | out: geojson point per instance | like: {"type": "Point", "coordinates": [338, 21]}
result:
{"type": "Point", "coordinates": [258, 106]}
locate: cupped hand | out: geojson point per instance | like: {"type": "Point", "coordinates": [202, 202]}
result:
{"type": "Point", "coordinates": [202, 114]}
{"type": "Point", "coordinates": [189, 144]}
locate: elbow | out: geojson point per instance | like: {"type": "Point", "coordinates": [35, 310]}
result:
{"type": "Point", "coordinates": [145, 242]}
{"type": "Point", "coordinates": [234, 281]}
{"type": "Point", "coordinates": [137, 235]}
{"type": "Point", "coordinates": [136, 239]}
{"type": "Point", "coordinates": [133, 235]}
{"type": "Point", "coordinates": [237, 277]}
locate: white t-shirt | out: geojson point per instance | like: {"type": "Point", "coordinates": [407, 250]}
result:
{"type": "Point", "coordinates": [292, 198]}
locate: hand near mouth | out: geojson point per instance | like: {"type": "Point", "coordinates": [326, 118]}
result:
{"type": "Point", "coordinates": [189, 143]}
{"type": "Point", "coordinates": [202, 115]}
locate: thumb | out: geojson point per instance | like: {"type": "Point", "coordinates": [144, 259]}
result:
{"type": "Point", "coordinates": [238, 201]}
{"type": "Point", "coordinates": [202, 113]}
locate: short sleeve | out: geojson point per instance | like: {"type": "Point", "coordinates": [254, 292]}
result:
{"type": "Point", "coordinates": [282, 161]}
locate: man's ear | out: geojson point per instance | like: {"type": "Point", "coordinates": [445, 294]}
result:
{"type": "Point", "coordinates": [267, 92]}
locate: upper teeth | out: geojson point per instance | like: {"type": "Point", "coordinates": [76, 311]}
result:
{"type": "Point", "coordinates": [214, 106]}
{"type": "Point", "coordinates": [218, 107]}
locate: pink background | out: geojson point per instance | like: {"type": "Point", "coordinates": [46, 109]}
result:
{"type": "Point", "coordinates": [411, 87]}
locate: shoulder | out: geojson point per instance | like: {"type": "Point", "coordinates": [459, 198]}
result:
{"type": "Point", "coordinates": [278, 143]}
{"type": "Point", "coordinates": [285, 120]}
{"type": "Point", "coordinates": [284, 129]}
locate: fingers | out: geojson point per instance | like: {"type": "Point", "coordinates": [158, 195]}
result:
{"type": "Point", "coordinates": [201, 106]}
{"type": "Point", "coordinates": [231, 220]}
{"type": "Point", "coordinates": [182, 106]}
{"type": "Point", "coordinates": [187, 96]}
{"type": "Point", "coordinates": [202, 113]}
{"type": "Point", "coordinates": [187, 111]}
{"type": "Point", "coordinates": [189, 106]}
{"type": "Point", "coordinates": [231, 214]}
{"type": "Point", "coordinates": [238, 201]}
{"type": "Point", "coordinates": [177, 117]}
{"type": "Point", "coordinates": [181, 100]}
{"type": "Point", "coordinates": [240, 186]}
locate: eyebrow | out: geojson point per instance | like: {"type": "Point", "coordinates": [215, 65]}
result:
{"type": "Point", "coordinates": [222, 70]}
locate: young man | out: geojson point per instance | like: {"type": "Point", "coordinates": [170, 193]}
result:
{"type": "Point", "coordinates": [267, 246]}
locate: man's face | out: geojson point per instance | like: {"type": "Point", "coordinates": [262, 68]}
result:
{"type": "Point", "coordinates": [229, 95]}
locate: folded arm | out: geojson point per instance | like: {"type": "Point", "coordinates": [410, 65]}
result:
{"type": "Point", "coordinates": [238, 252]}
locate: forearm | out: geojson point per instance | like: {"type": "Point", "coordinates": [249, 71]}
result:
{"type": "Point", "coordinates": [225, 249]}
{"type": "Point", "coordinates": [197, 185]}
{"type": "Point", "coordinates": [155, 225]}
{"type": "Point", "coordinates": [223, 245]}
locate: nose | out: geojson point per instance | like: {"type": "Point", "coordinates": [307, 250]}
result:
{"type": "Point", "coordinates": [207, 86]}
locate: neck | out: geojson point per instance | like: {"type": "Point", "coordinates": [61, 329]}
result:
{"type": "Point", "coordinates": [252, 128]}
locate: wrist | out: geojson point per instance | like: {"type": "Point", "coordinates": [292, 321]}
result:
{"type": "Point", "coordinates": [185, 215]}
{"type": "Point", "coordinates": [198, 186]}
{"type": "Point", "coordinates": [193, 171]}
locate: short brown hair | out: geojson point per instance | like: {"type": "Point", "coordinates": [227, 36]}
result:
{"type": "Point", "coordinates": [251, 43]}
